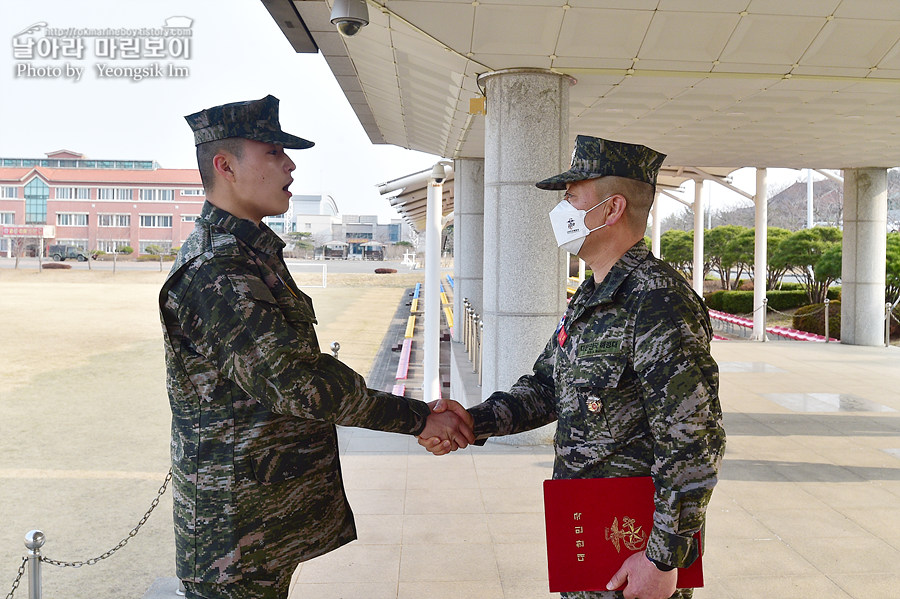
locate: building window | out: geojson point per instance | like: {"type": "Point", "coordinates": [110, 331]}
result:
{"type": "Point", "coordinates": [157, 195]}
{"type": "Point", "coordinates": [192, 192]}
{"type": "Point", "coordinates": [114, 220]}
{"type": "Point", "coordinates": [7, 218]}
{"type": "Point", "coordinates": [8, 192]}
{"type": "Point", "coordinates": [115, 193]}
{"type": "Point", "coordinates": [189, 218]}
{"type": "Point", "coordinates": [111, 246]}
{"type": "Point", "coordinates": [71, 219]}
{"type": "Point", "coordinates": [73, 193]}
{"type": "Point", "coordinates": [156, 221]}
{"type": "Point", "coordinates": [36, 195]}
{"type": "Point", "coordinates": [165, 246]}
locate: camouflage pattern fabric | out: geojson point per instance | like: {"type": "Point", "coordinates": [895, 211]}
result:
{"type": "Point", "coordinates": [595, 157]}
{"type": "Point", "coordinates": [255, 119]}
{"type": "Point", "coordinates": [273, 587]}
{"type": "Point", "coordinates": [256, 476]}
{"type": "Point", "coordinates": [629, 378]}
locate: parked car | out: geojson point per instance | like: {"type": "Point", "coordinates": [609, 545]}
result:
{"type": "Point", "coordinates": [61, 252]}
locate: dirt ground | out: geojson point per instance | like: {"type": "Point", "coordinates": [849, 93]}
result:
{"type": "Point", "coordinates": [84, 417]}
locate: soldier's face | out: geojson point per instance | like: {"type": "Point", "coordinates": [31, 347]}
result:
{"type": "Point", "coordinates": [583, 196]}
{"type": "Point", "coordinates": [261, 179]}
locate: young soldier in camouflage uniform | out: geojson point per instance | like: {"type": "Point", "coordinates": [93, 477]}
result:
{"type": "Point", "coordinates": [628, 375]}
{"type": "Point", "coordinates": [256, 477]}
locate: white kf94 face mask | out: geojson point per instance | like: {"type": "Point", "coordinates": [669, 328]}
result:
{"type": "Point", "coordinates": [568, 225]}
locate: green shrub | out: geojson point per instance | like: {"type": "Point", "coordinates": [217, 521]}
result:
{"type": "Point", "coordinates": [789, 286]}
{"type": "Point", "coordinates": [126, 249]}
{"type": "Point", "coordinates": [738, 302]}
{"type": "Point", "coordinates": [741, 302]}
{"type": "Point", "coordinates": [812, 319]}
{"type": "Point", "coordinates": [714, 300]}
{"type": "Point", "coordinates": [787, 300]}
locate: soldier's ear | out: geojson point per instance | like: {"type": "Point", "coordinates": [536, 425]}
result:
{"type": "Point", "coordinates": [617, 205]}
{"type": "Point", "coordinates": [222, 165]}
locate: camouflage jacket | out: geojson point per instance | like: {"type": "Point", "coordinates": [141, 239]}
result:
{"type": "Point", "coordinates": [257, 480]}
{"type": "Point", "coordinates": [629, 378]}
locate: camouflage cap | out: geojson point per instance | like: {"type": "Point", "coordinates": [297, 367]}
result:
{"type": "Point", "coordinates": [254, 119]}
{"type": "Point", "coordinates": [594, 157]}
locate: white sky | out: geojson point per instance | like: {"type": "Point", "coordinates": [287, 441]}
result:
{"type": "Point", "coordinates": [238, 53]}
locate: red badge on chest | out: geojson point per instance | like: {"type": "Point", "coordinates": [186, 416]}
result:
{"type": "Point", "coordinates": [561, 336]}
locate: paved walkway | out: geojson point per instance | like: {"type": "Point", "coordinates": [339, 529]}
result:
{"type": "Point", "coordinates": [808, 504]}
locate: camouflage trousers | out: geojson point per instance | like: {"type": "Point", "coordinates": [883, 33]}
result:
{"type": "Point", "coordinates": [275, 588]}
{"type": "Point", "coordinates": [679, 594]}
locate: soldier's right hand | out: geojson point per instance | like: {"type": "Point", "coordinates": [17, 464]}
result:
{"type": "Point", "coordinates": [449, 428]}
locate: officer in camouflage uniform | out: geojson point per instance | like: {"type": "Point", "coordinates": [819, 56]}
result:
{"type": "Point", "coordinates": [628, 374]}
{"type": "Point", "coordinates": [256, 476]}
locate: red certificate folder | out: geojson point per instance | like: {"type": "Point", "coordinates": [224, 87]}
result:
{"type": "Point", "coordinates": [594, 524]}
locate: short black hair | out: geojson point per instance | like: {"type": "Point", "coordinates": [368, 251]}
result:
{"type": "Point", "coordinates": [207, 151]}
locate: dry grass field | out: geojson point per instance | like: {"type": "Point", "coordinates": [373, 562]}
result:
{"type": "Point", "coordinates": [84, 418]}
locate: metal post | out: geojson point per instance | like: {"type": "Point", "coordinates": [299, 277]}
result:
{"type": "Point", "coordinates": [34, 540]}
{"type": "Point", "coordinates": [465, 315]}
{"type": "Point", "coordinates": [826, 319]}
{"type": "Point", "coordinates": [887, 324]}
{"type": "Point", "coordinates": [335, 348]}
{"type": "Point", "coordinates": [480, 353]}
{"type": "Point", "coordinates": [473, 320]}
{"type": "Point", "coordinates": [476, 343]}
{"type": "Point", "coordinates": [765, 308]}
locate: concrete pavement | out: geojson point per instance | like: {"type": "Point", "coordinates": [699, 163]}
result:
{"type": "Point", "coordinates": [808, 504]}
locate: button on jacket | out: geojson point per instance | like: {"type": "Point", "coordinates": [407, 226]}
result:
{"type": "Point", "coordinates": [629, 378]}
{"type": "Point", "coordinates": [256, 476]}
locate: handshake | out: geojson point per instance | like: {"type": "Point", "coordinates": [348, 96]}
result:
{"type": "Point", "coordinates": [449, 427]}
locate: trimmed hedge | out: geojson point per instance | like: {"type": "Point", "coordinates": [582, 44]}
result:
{"type": "Point", "coordinates": [738, 302]}
{"type": "Point", "coordinates": [385, 271]}
{"type": "Point", "coordinates": [741, 302]}
{"type": "Point", "coordinates": [56, 265]}
{"type": "Point", "coordinates": [812, 319]}
{"type": "Point", "coordinates": [714, 300]}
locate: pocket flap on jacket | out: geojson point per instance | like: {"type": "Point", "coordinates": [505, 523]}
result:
{"type": "Point", "coordinates": [290, 461]}
{"type": "Point", "coordinates": [602, 373]}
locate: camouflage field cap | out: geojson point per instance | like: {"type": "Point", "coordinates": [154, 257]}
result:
{"type": "Point", "coordinates": [254, 119]}
{"type": "Point", "coordinates": [594, 157]}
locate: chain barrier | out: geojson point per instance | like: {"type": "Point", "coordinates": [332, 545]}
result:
{"type": "Point", "coordinates": [15, 583]}
{"type": "Point", "coordinates": [121, 543]}
{"type": "Point", "coordinates": [90, 562]}
{"type": "Point", "coordinates": [822, 309]}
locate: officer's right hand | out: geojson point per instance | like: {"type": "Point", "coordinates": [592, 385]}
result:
{"type": "Point", "coordinates": [447, 413]}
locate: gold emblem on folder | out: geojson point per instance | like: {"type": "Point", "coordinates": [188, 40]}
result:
{"type": "Point", "coordinates": [634, 538]}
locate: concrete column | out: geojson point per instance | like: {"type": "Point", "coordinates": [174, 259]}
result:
{"type": "Point", "coordinates": [863, 266]}
{"type": "Point", "coordinates": [468, 239]}
{"type": "Point", "coordinates": [655, 228]}
{"type": "Point", "coordinates": [526, 140]}
{"type": "Point", "coordinates": [760, 256]}
{"type": "Point", "coordinates": [698, 237]}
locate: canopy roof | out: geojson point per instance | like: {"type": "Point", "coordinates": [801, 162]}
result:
{"type": "Point", "coordinates": [724, 83]}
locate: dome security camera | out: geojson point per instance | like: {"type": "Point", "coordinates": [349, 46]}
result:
{"type": "Point", "coordinates": [438, 173]}
{"type": "Point", "coordinates": [349, 16]}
